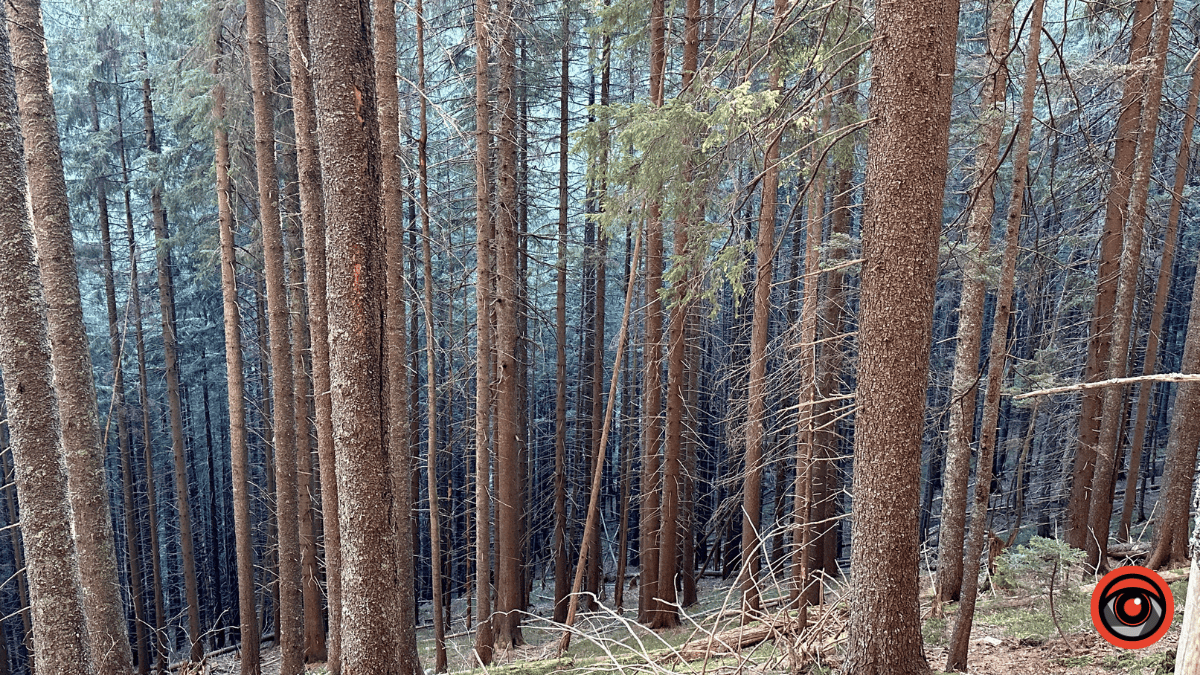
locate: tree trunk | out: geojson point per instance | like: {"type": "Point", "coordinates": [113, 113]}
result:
{"type": "Point", "coordinates": [116, 344]}
{"type": "Point", "coordinates": [290, 609]}
{"type": "Point", "coordinates": [964, 388]}
{"type": "Point", "coordinates": [1100, 340]}
{"type": "Point", "coordinates": [1114, 410]}
{"type": "Point", "coordinates": [909, 137]}
{"type": "Point", "coordinates": [166, 303]}
{"type": "Point", "coordinates": [73, 383]}
{"type": "Point", "coordinates": [484, 635]}
{"type": "Point", "coordinates": [562, 572]}
{"type": "Point", "coordinates": [135, 301]}
{"type": "Point", "coordinates": [61, 647]}
{"type": "Point", "coordinates": [508, 475]}
{"type": "Point", "coordinates": [1160, 300]}
{"type": "Point", "coordinates": [395, 337]}
{"type": "Point", "coordinates": [648, 550]}
{"type": "Point", "coordinates": [344, 80]}
{"type": "Point", "coordinates": [312, 218]}
{"type": "Point", "coordinates": [1000, 27]}
{"type": "Point", "coordinates": [235, 385]}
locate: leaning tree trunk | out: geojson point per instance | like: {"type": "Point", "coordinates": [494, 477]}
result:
{"type": "Point", "coordinates": [1114, 410]}
{"type": "Point", "coordinates": [1161, 292]}
{"type": "Point", "coordinates": [964, 387]}
{"type": "Point", "coordinates": [998, 347]}
{"type": "Point", "coordinates": [73, 384]}
{"type": "Point", "coordinates": [1100, 340]}
{"type": "Point", "coordinates": [61, 647]}
{"type": "Point", "coordinates": [116, 343]}
{"type": "Point", "coordinates": [906, 171]}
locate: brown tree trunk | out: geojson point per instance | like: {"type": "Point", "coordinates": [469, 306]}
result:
{"type": "Point", "coordinates": [508, 475]}
{"type": "Point", "coordinates": [290, 609]}
{"type": "Point", "coordinates": [56, 599]}
{"type": "Point", "coordinates": [964, 387]}
{"type": "Point", "coordinates": [760, 335]}
{"type": "Point", "coordinates": [235, 385]}
{"type": "Point", "coordinates": [484, 636]}
{"type": "Point", "coordinates": [312, 218]}
{"type": "Point", "coordinates": [1114, 411]}
{"type": "Point", "coordinates": [344, 81]}
{"type": "Point", "coordinates": [1160, 301]}
{"type": "Point", "coordinates": [73, 384]}
{"type": "Point", "coordinates": [135, 301]}
{"type": "Point", "coordinates": [1000, 27]}
{"type": "Point", "coordinates": [562, 572]}
{"type": "Point", "coordinates": [1115, 214]}
{"type": "Point", "coordinates": [652, 389]}
{"type": "Point", "coordinates": [906, 171]}
{"type": "Point", "coordinates": [116, 344]}
{"type": "Point", "coordinates": [395, 337]}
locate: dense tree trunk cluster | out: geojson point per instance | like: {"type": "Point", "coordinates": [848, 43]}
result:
{"type": "Point", "coordinates": [498, 352]}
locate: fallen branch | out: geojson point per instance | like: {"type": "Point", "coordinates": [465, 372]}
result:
{"type": "Point", "coordinates": [1115, 382]}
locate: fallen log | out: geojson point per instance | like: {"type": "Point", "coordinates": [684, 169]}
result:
{"type": "Point", "coordinates": [733, 640]}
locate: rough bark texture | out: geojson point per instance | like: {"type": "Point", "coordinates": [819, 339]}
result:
{"type": "Point", "coordinates": [166, 303]}
{"type": "Point", "coordinates": [760, 335]}
{"type": "Point", "coordinates": [998, 345]}
{"type": "Point", "coordinates": [73, 384]}
{"type": "Point", "coordinates": [484, 636]}
{"type": "Point", "coordinates": [561, 570]}
{"type": "Point", "coordinates": [1100, 340]}
{"type": "Point", "coordinates": [509, 592]}
{"type": "Point", "coordinates": [61, 647]}
{"type": "Point", "coordinates": [1114, 410]}
{"type": "Point", "coordinates": [235, 385]}
{"type": "Point", "coordinates": [290, 609]}
{"type": "Point", "coordinates": [1161, 292]}
{"type": "Point", "coordinates": [312, 218]}
{"type": "Point", "coordinates": [350, 164]}
{"type": "Point", "coordinates": [906, 170]}
{"type": "Point", "coordinates": [395, 337]}
{"type": "Point", "coordinates": [652, 381]}
{"type": "Point", "coordinates": [964, 387]}
{"type": "Point", "coordinates": [1187, 654]}
{"type": "Point", "coordinates": [116, 345]}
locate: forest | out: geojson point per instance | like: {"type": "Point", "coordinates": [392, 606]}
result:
{"type": "Point", "coordinates": [368, 337]}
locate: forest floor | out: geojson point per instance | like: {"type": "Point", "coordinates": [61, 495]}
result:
{"type": "Point", "coordinates": [1014, 633]}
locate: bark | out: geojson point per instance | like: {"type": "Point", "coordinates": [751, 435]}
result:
{"type": "Point", "coordinates": [998, 345]}
{"type": "Point", "coordinates": [1161, 292]}
{"type": "Point", "coordinates": [290, 608]}
{"type": "Point", "coordinates": [648, 550]}
{"type": "Point", "coordinates": [144, 403]}
{"type": "Point", "coordinates": [484, 636]}
{"type": "Point", "coordinates": [235, 385]}
{"type": "Point", "coordinates": [964, 387]}
{"type": "Point", "coordinates": [764, 255]}
{"type": "Point", "coordinates": [344, 81]}
{"type": "Point", "coordinates": [1187, 655]}
{"type": "Point", "coordinates": [395, 337]}
{"type": "Point", "coordinates": [116, 345]}
{"type": "Point", "coordinates": [1114, 410]}
{"type": "Point", "coordinates": [435, 530]}
{"type": "Point", "coordinates": [1115, 213]}
{"type": "Point", "coordinates": [73, 383]}
{"type": "Point", "coordinates": [313, 222]}
{"type": "Point", "coordinates": [561, 570]}
{"type": "Point", "coordinates": [508, 475]}
{"type": "Point", "coordinates": [906, 170]}
{"type": "Point", "coordinates": [32, 414]}
{"type": "Point", "coordinates": [167, 309]}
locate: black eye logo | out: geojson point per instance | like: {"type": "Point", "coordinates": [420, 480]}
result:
{"type": "Point", "coordinates": [1132, 607]}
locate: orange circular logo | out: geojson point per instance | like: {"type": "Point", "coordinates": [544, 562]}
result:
{"type": "Point", "coordinates": [1132, 607]}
